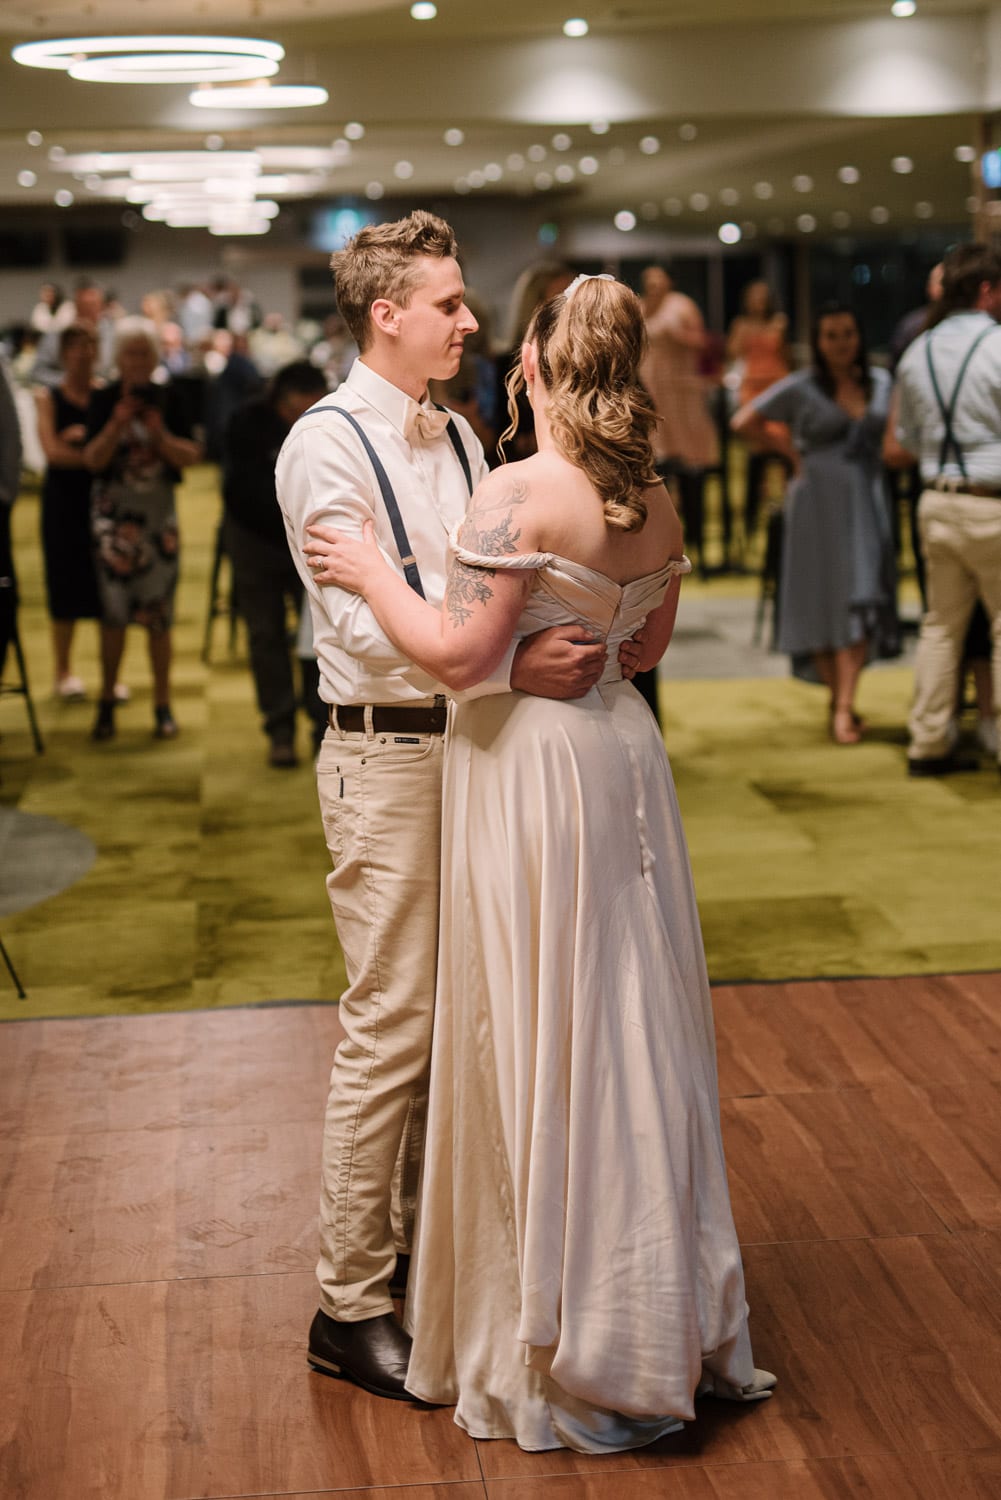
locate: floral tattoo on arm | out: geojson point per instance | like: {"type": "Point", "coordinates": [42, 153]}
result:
{"type": "Point", "coordinates": [468, 585]}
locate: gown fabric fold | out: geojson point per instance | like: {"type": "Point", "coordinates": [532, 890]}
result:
{"type": "Point", "coordinates": [576, 1264]}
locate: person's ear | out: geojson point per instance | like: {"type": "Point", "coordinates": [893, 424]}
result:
{"type": "Point", "coordinates": [385, 316]}
{"type": "Point", "coordinates": [530, 364]}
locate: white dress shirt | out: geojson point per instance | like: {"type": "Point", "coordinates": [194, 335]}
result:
{"type": "Point", "coordinates": [323, 475]}
{"type": "Point", "coordinates": [977, 421]}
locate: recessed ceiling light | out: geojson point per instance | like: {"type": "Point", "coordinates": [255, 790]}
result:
{"type": "Point", "coordinates": [649, 145]}
{"type": "Point", "coordinates": [687, 132]}
{"type": "Point", "coordinates": [561, 141]}
{"type": "Point", "coordinates": [902, 164]}
{"type": "Point", "coordinates": [57, 153]}
{"type": "Point", "coordinates": [625, 220]}
{"type": "Point", "coordinates": [26, 178]}
{"type": "Point", "coordinates": [576, 26]}
{"type": "Point", "coordinates": [477, 179]}
{"type": "Point", "coordinates": [374, 190]}
{"type": "Point", "coordinates": [965, 153]}
{"type": "Point", "coordinates": [536, 153]}
{"type": "Point", "coordinates": [672, 206]}
{"type": "Point", "coordinates": [699, 202]}
{"type": "Point", "coordinates": [260, 95]}
{"type": "Point", "coordinates": [493, 171]}
{"type": "Point", "coordinates": [154, 59]}
{"type": "Point", "coordinates": [763, 190]}
{"type": "Point", "coordinates": [806, 223]}
{"type": "Point", "coordinates": [454, 137]}
{"type": "Point", "coordinates": [64, 198]}
{"type": "Point", "coordinates": [802, 183]}
{"type": "Point", "coordinates": [461, 186]}
{"type": "Point", "coordinates": [924, 210]}
{"type": "Point", "coordinates": [729, 196]}
{"type": "Point", "coordinates": [404, 170]}
{"type": "Point", "coordinates": [423, 10]}
{"type": "Point", "coordinates": [599, 127]}
{"type": "Point", "coordinates": [214, 142]}
{"type": "Point", "coordinates": [353, 131]}
{"type": "Point", "coordinates": [972, 204]}
{"type": "Point", "coordinates": [543, 181]}
{"type": "Point", "coordinates": [878, 214]}
{"type": "Point", "coordinates": [564, 172]}
{"type": "Point", "coordinates": [588, 165]}
{"type": "Point", "coordinates": [849, 175]}
{"type": "Point", "coordinates": [903, 8]}
{"type": "Point", "coordinates": [516, 162]}
{"type": "Point", "coordinates": [34, 137]}
{"type": "Point", "coordinates": [730, 234]}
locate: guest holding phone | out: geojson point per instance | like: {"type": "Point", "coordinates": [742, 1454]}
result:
{"type": "Point", "coordinates": [139, 442]}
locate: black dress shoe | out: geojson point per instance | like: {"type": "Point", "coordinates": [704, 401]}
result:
{"type": "Point", "coordinates": [374, 1353]}
{"type": "Point", "coordinates": [942, 765]}
{"type": "Point", "coordinates": [398, 1280]}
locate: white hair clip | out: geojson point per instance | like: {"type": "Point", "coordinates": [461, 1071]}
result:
{"type": "Point", "coordinates": [580, 280]}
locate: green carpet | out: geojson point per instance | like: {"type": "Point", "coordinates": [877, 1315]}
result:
{"type": "Point", "coordinates": [207, 889]}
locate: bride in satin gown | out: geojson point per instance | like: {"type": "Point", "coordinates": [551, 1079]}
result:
{"type": "Point", "coordinates": [576, 1278]}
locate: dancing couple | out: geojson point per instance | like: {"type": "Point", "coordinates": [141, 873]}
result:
{"type": "Point", "coordinates": [526, 1093]}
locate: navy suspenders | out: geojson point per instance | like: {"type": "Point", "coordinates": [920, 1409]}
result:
{"type": "Point", "coordinates": [950, 446]}
{"type": "Point", "coordinates": [410, 569]}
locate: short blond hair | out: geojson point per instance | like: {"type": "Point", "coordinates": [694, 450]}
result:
{"type": "Point", "coordinates": [381, 262]}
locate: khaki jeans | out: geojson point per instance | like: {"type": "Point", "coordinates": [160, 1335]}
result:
{"type": "Point", "coordinates": [961, 545]}
{"type": "Point", "coordinates": [380, 798]}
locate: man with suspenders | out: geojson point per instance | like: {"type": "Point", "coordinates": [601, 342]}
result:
{"type": "Point", "coordinates": [949, 416]}
{"type": "Point", "coordinates": [379, 450]}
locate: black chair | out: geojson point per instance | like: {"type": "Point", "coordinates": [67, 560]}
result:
{"type": "Point", "coordinates": [771, 573]}
{"type": "Point", "coordinates": [21, 992]}
{"type": "Point", "coordinates": [222, 600]}
{"type": "Point", "coordinates": [9, 636]}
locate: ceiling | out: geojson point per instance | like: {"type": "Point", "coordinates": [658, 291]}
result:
{"type": "Point", "coordinates": [728, 110]}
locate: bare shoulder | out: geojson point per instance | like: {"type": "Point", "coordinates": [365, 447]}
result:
{"type": "Point", "coordinates": [500, 520]}
{"type": "Point", "coordinates": [662, 516]}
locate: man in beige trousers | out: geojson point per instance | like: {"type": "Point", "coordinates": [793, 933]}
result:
{"type": "Point", "coordinates": [389, 456]}
{"type": "Point", "coordinates": [949, 417]}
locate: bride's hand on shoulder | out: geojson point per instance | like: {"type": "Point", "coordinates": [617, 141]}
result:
{"type": "Point", "coordinates": [334, 558]}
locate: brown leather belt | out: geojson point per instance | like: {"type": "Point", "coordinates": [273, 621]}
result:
{"type": "Point", "coordinates": [964, 487]}
{"type": "Point", "coordinates": [389, 718]}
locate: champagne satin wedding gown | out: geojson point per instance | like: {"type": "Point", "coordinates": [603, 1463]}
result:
{"type": "Point", "coordinates": [576, 1270]}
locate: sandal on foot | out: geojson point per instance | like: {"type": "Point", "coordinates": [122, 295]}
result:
{"type": "Point", "coordinates": [166, 725]}
{"type": "Point", "coordinates": [104, 724]}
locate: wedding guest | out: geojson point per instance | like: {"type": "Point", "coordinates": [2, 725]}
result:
{"type": "Point", "coordinates": [139, 441]}
{"type": "Point", "coordinates": [838, 583]}
{"type": "Point", "coordinates": [67, 546]}
{"type": "Point", "coordinates": [265, 579]}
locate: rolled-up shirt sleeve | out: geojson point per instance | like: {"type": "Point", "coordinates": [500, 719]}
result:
{"type": "Point", "coordinates": [321, 482]}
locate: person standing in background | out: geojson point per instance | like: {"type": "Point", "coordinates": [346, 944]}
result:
{"type": "Point", "coordinates": [67, 545]}
{"type": "Point", "coordinates": [838, 583]}
{"type": "Point", "coordinates": [265, 580]}
{"type": "Point", "coordinates": [757, 342]}
{"type": "Point", "coordinates": [10, 480]}
{"type": "Point", "coordinates": [139, 440]}
{"type": "Point", "coordinates": [949, 418]}
{"type": "Point", "coordinates": [685, 441]}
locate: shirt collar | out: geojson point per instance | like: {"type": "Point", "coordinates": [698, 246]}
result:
{"type": "Point", "coordinates": [389, 401]}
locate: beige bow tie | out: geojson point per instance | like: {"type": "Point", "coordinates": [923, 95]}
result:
{"type": "Point", "coordinates": [426, 423]}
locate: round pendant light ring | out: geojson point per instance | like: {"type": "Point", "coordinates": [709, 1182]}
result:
{"type": "Point", "coordinates": [154, 59]}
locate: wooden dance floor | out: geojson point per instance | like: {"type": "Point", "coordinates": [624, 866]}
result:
{"type": "Point", "coordinates": [157, 1245]}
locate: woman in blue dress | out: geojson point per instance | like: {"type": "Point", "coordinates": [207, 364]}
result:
{"type": "Point", "coordinates": [838, 588]}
